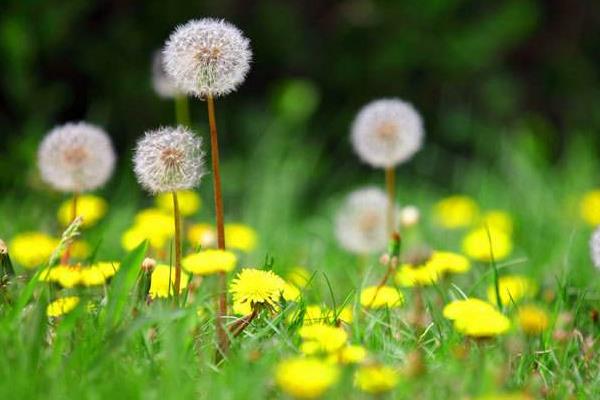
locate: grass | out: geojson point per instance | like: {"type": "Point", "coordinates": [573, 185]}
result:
{"type": "Point", "coordinates": [127, 349]}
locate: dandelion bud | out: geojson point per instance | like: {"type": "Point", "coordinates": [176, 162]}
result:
{"type": "Point", "coordinates": [207, 57]}
{"type": "Point", "coordinates": [169, 159]}
{"type": "Point", "coordinates": [360, 225]}
{"type": "Point", "coordinates": [3, 247]}
{"type": "Point", "coordinates": [76, 157]}
{"type": "Point", "coordinates": [595, 248]}
{"type": "Point", "coordinates": [163, 84]}
{"type": "Point", "coordinates": [387, 132]}
{"type": "Point", "coordinates": [148, 264]}
{"type": "Point", "coordinates": [384, 259]}
{"type": "Point", "coordinates": [409, 216]}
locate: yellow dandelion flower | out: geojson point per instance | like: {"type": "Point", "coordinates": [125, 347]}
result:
{"type": "Point", "coordinates": [533, 320]}
{"type": "Point", "coordinates": [589, 207]}
{"type": "Point", "coordinates": [409, 275]}
{"type": "Point", "coordinates": [189, 202]}
{"type": "Point", "coordinates": [476, 244]}
{"type": "Point", "coordinates": [321, 338]}
{"type": "Point", "coordinates": [162, 281]}
{"type": "Point", "coordinates": [350, 354]}
{"type": "Point", "coordinates": [155, 220]}
{"type": "Point", "coordinates": [346, 314]}
{"type": "Point", "coordinates": [241, 308]}
{"type": "Point", "coordinates": [202, 235]}
{"type": "Point", "coordinates": [476, 318]}
{"type": "Point", "coordinates": [385, 296]}
{"type": "Point", "coordinates": [108, 268]}
{"type": "Point", "coordinates": [80, 250]}
{"type": "Point", "coordinates": [506, 396]}
{"type": "Point", "coordinates": [299, 276]}
{"type": "Point", "coordinates": [305, 378]}
{"type": "Point", "coordinates": [290, 292]}
{"type": "Point", "coordinates": [67, 276]}
{"type": "Point", "coordinates": [136, 235]}
{"type": "Point", "coordinates": [255, 286]}
{"type": "Point", "coordinates": [32, 249]}
{"type": "Point", "coordinates": [512, 288]}
{"type": "Point", "coordinates": [456, 212]}
{"type": "Point", "coordinates": [313, 314]}
{"type": "Point", "coordinates": [498, 219]}
{"type": "Point", "coordinates": [91, 208]}
{"type": "Point", "coordinates": [209, 262]}
{"type": "Point", "coordinates": [62, 306]}
{"type": "Point", "coordinates": [240, 237]}
{"type": "Point", "coordinates": [376, 379]}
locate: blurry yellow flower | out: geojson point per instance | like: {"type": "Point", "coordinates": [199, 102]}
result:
{"type": "Point", "coordinates": [32, 249]}
{"type": "Point", "coordinates": [313, 314]}
{"type": "Point", "coordinates": [321, 338]}
{"type": "Point", "coordinates": [305, 378]}
{"type": "Point", "coordinates": [385, 296]}
{"type": "Point", "coordinates": [376, 378]}
{"type": "Point", "coordinates": [476, 318]}
{"type": "Point", "coordinates": [108, 268]}
{"type": "Point", "coordinates": [456, 212]}
{"type": "Point", "coordinates": [299, 276]}
{"type": "Point", "coordinates": [533, 320]}
{"type": "Point", "coordinates": [506, 396]}
{"type": "Point", "coordinates": [241, 308]}
{"type": "Point", "coordinates": [477, 244]}
{"type": "Point", "coordinates": [346, 315]}
{"type": "Point", "coordinates": [62, 306]}
{"type": "Point", "coordinates": [241, 237]}
{"type": "Point", "coordinates": [350, 354]}
{"type": "Point", "coordinates": [512, 288]}
{"type": "Point", "coordinates": [134, 236]}
{"type": "Point", "coordinates": [409, 275]}
{"type": "Point", "coordinates": [80, 250]}
{"type": "Point", "coordinates": [498, 219]}
{"type": "Point", "coordinates": [210, 261]}
{"type": "Point", "coordinates": [290, 292]}
{"type": "Point", "coordinates": [91, 208]}
{"type": "Point", "coordinates": [156, 221]}
{"type": "Point", "coordinates": [188, 200]}
{"type": "Point", "coordinates": [69, 276]}
{"type": "Point", "coordinates": [589, 207]}
{"type": "Point", "coordinates": [255, 286]}
{"type": "Point", "coordinates": [202, 235]}
{"type": "Point", "coordinates": [162, 281]}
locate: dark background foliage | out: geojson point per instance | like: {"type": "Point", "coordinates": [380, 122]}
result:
{"type": "Point", "coordinates": [477, 70]}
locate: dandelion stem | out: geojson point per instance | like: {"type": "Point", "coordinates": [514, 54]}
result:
{"type": "Point", "coordinates": [177, 219]}
{"type": "Point", "coordinates": [182, 110]}
{"type": "Point", "coordinates": [67, 254]}
{"type": "Point", "coordinates": [390, 185]}
{"type": "Point", "coordinates": [243, 323]}
{"type": "Point", "coordinates": [214, 150]}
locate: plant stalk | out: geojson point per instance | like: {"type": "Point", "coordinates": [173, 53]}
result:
{"type": "Point", "coordinates": [177, 220]}
{"type": "Point", "coordinates": [67, 254]}
{"type": "Point", "coordinates": [390, 185]}
{"type": "Point", "coordinates": [182, 110]}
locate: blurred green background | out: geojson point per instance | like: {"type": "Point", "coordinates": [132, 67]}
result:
{"type": "Point", "coordinates": [480, 72]}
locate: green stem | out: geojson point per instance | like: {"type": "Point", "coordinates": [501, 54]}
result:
{"type": "Point", "coordinates": [182, 110]}
{"type": "Point", "coordinates": [177, 219]}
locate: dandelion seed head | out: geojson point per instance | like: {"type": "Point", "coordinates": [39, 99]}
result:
{"type": "Point", "coordinates": [360, 224]}
{"type": "Point", "coordinates": [162, 83]}
{"type": "Point", "coordinates": [595, 247]}
{"type": "Point", "coordinates": [76, 157]}
{"type": "Point", "coordinates": [387, 132]}
{"type": "Point", "coordinates": [207, 57]}
{"type": "Point", "coordinates": [169, 159]}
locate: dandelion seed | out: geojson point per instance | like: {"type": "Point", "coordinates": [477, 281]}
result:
{"type": "Point", "coordinates": [360, 225]}
{"type": "Point", "coordinates": [387, 132]}
{"type": "Point", "coordinates": [168, 160]}
{"type": "Point", "coordinates": [76, 157]}
{"type": "Point", "coordinates": [595, 247]}
{"type": "Point", "coordinates": [207, 57]}
{"type": "Point", "coordinates": [409, 216]}
{"type": "Point", "coordinates": [162, 83]}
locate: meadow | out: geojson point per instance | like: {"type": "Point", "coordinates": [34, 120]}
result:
{"type": "Point", "coordinates": [476, 284]}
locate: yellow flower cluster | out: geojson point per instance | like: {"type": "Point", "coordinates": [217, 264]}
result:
{"type": "Point", "coordinates": [512, 289]}
{"type": "Point", "coordinates": [69, 276]}
{"type": "Point", "coordinates": [589, 207]}
{"type": "Point", "coordinates": [306, 378]}
{"type": "Point", "coordinates": [476, 318]}
{"type": "Point", "coordinates": [482, 244]}
{"type": "Point", "coordinates": [162, 281]}
{"type": "Point", "coordinates": [189, 202]}
{"type": "Point", "coordinates": [376, 379]}
{"type": "Point", "coordinates": [208, 262]}
{"type": "Point", "coordinates": [32, 249]}
{"type": "Point", "coordinates": [91, 208]}
{"type": "Point", "coordinates": [62, 306]}
{"type": "Point", "coordinates": [237, 236]}
{"type": "Point", "coordinates": [257, 287]}
{"type": "Point", "coordinates": [456, 211]}
{"type": "Point", "coordinates": [321, 338]}
{"type": "Point", "coordinates": [381, 297]}
{"type": "Point", "coordinates": [428, 273]}
{"type": "Point", "coordinates": [151, 224]}
{"type": "Point", "coordinates": [533, 320]}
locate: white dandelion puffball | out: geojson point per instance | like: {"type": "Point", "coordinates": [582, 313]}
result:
{"type": "Point", "coordinates": [361, 223]}
{"type": "Point", "coordinates": [169, 159]}
{"type": "Point", "coordinates": [76, 157]}
{"type": "Point", "coordinates": [595, 247]}
{"type": "Point", "coordinates": [387, 132]}
{"type": "Point", "coordinates": [163, 84]}
{"type": "Point", "coordinates": [207, 57]}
